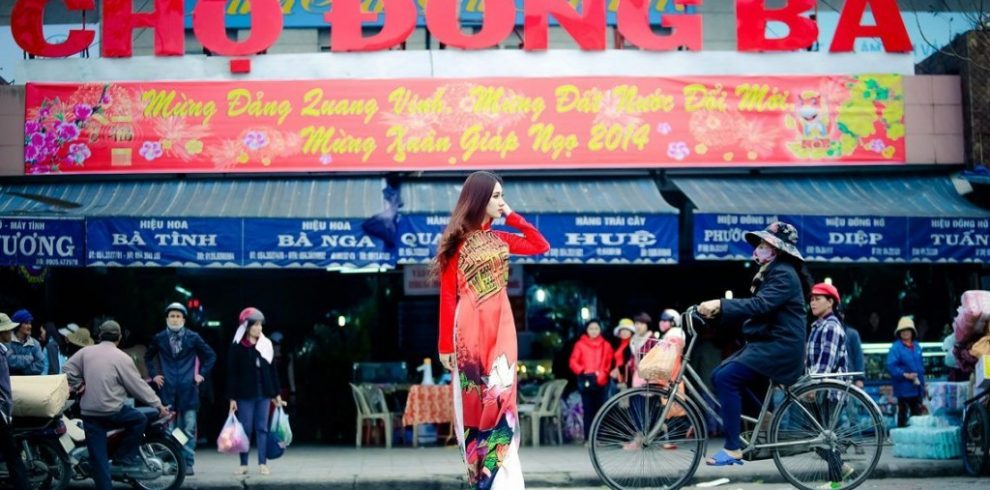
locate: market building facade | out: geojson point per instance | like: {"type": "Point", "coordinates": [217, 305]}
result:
{"type": "Point", "coordinates": [314, 179]}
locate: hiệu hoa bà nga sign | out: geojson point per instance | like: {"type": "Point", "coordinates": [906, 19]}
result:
{"type": "Point", "coordinates": [584, 20]}
{"type": "Point", "coordinates": [425, 124]}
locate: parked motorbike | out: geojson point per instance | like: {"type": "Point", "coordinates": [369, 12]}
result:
{"type": "Point", "coordinates": [45, 458]}
{"type": "Point", "coordinates": [163, 468]}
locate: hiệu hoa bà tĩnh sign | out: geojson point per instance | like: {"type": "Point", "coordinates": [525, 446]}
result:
{"type": "Point", "coordinates": [428, 124]}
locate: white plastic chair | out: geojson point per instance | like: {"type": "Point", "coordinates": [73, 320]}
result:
{"type": "Point", "coordinates": [371, 411]}
{"type": "Point", "coordinates": [547, 407]}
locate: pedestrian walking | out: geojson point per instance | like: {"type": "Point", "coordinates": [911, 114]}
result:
{"type": "Point", "coordinates": [252, 383]}
{"type": "Point", "coordinates": [472, 261]}
{"type": "Point", "coordinates": [591, 361]}
{"type": "Point", "coordinates": [178, 360]}
{"type": "Point", "coordinates": [907, 370]}
{"type": "Point", "coordinates": [827, 341]}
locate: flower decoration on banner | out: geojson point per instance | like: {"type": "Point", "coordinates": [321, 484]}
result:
{"type": "Point", "coordinates": [678, 150]}
{"type": "Point", "coordinates": [151, 150]}
{"type": "Point", "coordinates": [51, 133]}
{"type": "Point", "coordinates": [664, 128]}
{"type": "Point", "coordinates": [181, 139]}
{"type": "Point", "coordinates": [717, 129]}
{"type": "Point", "coordinates": [256, 144]}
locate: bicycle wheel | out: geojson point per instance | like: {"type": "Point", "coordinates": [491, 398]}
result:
{"type": "Point", "coordinates": [976, 439]}
{"type": "Point", "coordinates": [631, 447]}
{"type": "Point", "coordinates": [834, 435]}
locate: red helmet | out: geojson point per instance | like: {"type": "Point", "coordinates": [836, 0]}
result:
{"type": "Point", "coordinates": [824, 289]}
{"type": "Point", "coordinates": [251, 314]}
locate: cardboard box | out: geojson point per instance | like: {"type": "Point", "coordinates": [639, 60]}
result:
{"type": "Point", "coordinates": [983, 373]}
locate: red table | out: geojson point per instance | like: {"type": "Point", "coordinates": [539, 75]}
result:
{"type": "Point", "coordinates": [428, 405]}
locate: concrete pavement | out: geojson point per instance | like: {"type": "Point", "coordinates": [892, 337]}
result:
{"type": "Point", "coordinates": [440, 468]}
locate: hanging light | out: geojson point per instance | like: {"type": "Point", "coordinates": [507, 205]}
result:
{"type": "Point", "coordinates": [828, 280]}
{"type": "Point", "coordinates": [585, 313]}
{"type": "Point", "coordinates": [728, 294]}
{"type": "Point", "coordinates": [541, 295]}
{"type": "Point", "coordinates": [341, 321]}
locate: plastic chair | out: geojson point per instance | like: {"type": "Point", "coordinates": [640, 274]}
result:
{"type": "Point", "coordinates": [371, 411]}
{"type": "Point", "coordinates": [547, 407]}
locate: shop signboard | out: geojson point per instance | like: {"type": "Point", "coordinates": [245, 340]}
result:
{"type": "Point", "coordinates": [167, 242]}
{"type": "Point", "coordinates": [461, 124]}
{"type": "Point", "coordinates": [607, 239]}
{"type": "Point", "coordinates": [584, 20]}
{"type": "Point", "coordinates": [574, 238]}
{"type": "Point", "coordinates": [950, 240]}
{"type": "Point", "coordinates": [851, 238]}
{"type": "Point", "coordinates": [42, 242]}
{"type": "Point", "coordinates": [312, 243]}
{"type": "Point", "coordinates": [310, 14]}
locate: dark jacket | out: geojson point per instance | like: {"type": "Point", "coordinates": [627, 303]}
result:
{"type": "Point", "coordinates": [180, 389]}
{"type": "Point", "coordinates": [902, 360]}
{"type": "Point", "coordinates": [245, 369]}
{"type": "Point", "coordinates": [773, 325]}
{"type": "Point", "coordinates": [855, 363]}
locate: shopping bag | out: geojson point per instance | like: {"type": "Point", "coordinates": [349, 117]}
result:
{"type": "Point", "coordinates": [276, 448]}
{"type": "Point", "coordinates": [659, 364]}
{"type": "Point", "coordinates": [280, 427]}
{"type": "Point", "coordinates": [232, 438]}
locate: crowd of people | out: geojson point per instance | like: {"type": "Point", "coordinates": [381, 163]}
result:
{"type": "Point", "coordinates": [165, 374]}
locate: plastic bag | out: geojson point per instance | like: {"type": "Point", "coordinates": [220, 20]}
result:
{"type": "Point", "coordinates": [232, 438]}
{"type": "Point", "coordinates": [280, 427]}
{"type": "Point", "coordinates": [276, 448]}
{"type": "Point", "coordinates": [661, 362]}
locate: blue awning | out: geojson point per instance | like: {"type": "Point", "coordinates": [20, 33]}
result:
{"type": "Point", "coordinates": [841, 218]}
{"type": "Point", "coordinates": [313, 223]}
{"type": "Point", "coordinates": [588, 221]}
{"type": "Point", "coordinates": [269, 198]}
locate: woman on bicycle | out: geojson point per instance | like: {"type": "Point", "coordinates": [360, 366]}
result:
{"type": "Point", "coordinates": [772, 326]}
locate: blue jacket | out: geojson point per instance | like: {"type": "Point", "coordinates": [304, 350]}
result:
{"type": "Point", "coordinates": [25, 359]}
{"type": "Point", "coordinates": [855, 362]}
{"type": "Point", "coordinates": [902, 360]}
{"type": "Point", "coordinates": [773, 327]}
{"type": "Point", "coordinates": [180, 389]}
{"type": "Point", "coordinates": [6, 397]}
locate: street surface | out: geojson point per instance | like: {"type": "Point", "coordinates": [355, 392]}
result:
{"type": "Point", "coordinates": [892, 484]}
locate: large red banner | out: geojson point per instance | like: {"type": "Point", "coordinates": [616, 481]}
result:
{"type": "Point", "coordinates": [429, 124]}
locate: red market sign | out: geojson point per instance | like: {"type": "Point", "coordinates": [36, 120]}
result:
{"type": "Point", "coordinates": [587, 27]}
{"type": "Point", "coordinates": [431, 124]}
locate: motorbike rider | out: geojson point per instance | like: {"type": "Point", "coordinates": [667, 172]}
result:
{"type": "Point", "coordinates": [106, 376]}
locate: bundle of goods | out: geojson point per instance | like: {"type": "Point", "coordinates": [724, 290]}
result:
{"type": "Point", "coordinates": [970, 328]}
{"type": "Point", "coordinates": [39, 396]}
{"type": "Point", "coordinates": [948, 399]}
{"type": "Point", "coordinates": [926, 437]}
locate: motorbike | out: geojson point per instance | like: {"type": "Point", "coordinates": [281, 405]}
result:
{"type": "Point", "coordinates": [163, 465]}
{"type": "Point", "coordinates": [45, 458]}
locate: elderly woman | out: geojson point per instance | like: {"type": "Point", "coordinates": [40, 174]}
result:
{"type": "Point", "coordinates": [772, 326]}
{"type": "Point", "coordinates": [907, 370]}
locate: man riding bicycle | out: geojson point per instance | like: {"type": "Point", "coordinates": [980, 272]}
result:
{"type": "Point", "coordinates": [106, 375]}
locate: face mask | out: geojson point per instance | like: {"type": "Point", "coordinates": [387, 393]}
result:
{"type": "Point", "coordinates": [175, 329]}
{"type": "Point", "coordinates": [764, 255]}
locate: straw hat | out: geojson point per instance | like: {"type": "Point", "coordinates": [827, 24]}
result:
{"type": "Point", "coordinates": [905, 323]}
{"type": "Point", "coordinates": [80, 338]}
{"type": "Point", "coordinates": [624, 324]}
{"type": "Point", "coordinates": [6, 324]}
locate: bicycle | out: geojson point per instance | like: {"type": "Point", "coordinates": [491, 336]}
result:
{"type": "Point", "coordinates": [823, 432]}
{"type": "Point", "coordinates": [976, 435]}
